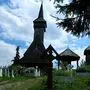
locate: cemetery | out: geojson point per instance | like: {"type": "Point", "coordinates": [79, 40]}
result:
{"type": "Point", "coordinates": [34, 71]}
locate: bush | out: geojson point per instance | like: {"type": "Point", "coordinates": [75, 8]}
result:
{"type": "Point", "coordinates": [62, 73]}
{"type": "Point", "coordinates": [44, 84]}
{"type": "Point", "coordinates": [81, 70]}
{"type": "Point", "coordinates": [84, 69]}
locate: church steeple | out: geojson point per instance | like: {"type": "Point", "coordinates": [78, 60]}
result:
{"type": "Point", "coordinates": [40, 21]}
{"type": "Point", "coordinates": [40, 25]}
{"type": "Point", "coordinates": [41, 12]}
{"type": "Point", "coordinates": [33, 55]}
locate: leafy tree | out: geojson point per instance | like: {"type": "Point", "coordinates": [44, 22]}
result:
{"type": "Point", "coordinates": [76, 18]}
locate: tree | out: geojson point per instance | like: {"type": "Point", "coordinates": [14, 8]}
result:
{"type": "Point", "coordinates": [77, 15]}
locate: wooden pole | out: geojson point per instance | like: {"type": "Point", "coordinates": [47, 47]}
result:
{"type": "Point", "coordinates": [58, 64]}
{"type": "Point", "coordinates": [77, 64]}
{"type": "Point", "coordinates": [49, 77]}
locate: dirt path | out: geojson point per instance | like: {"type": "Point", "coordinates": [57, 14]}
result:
{"type": "Point", "coordinates": [20, 85]}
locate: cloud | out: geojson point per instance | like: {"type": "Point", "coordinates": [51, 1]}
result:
{"type": "Point", "coordinates": [16, 24]}
{"type": "Point", "coordinates": [13, 24]}
{"type": "Point", "coordinates": [7, 53]}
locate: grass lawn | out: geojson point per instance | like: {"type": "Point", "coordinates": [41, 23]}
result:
{"type": "Point", "coordinates": [61, 81]}
{"type": "Point", "coordinates": [76, 83]}
{"type": "Point", "coordinates": [65, 81]}
{"type": "Point", "coordinates": [20, 83]}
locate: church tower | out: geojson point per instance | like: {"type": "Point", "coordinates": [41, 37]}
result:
{"type": "Point", "coordinates": [39, 26]}
{"type": "Point", "coordinates": [33, 55]}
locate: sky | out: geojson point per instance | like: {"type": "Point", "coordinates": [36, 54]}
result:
{"type": "Point", "coordinates": [16, 29]}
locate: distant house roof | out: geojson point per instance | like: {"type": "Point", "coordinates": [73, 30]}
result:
{"type": "Point", "coordinates": [87, 50]}
{"type": "Point", "coordinates": [69, 53]}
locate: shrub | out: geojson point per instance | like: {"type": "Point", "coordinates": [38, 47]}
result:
{"type": "Point", "coordinates": [84, 69]}
{"type": "Point", "coordinates": [62, 73]}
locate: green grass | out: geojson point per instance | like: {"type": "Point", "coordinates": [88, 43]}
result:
{"type": "Point", "coordinates": [65, 81]}
{"type": "Point", "coordinates": [10, 79]}
{"type": "Point", "coordinates": [20, 83]}
{"type": "Point", "coordinates": [61, 81]}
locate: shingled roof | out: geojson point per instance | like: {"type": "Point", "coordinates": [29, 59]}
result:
{"type": "Point", "coordinates": [87, 50]}
{"type": "Point", "coordinates": [69, 53]}
{"type": "Point", "coordinates": [36, 45]}
{"type": "Point", "coordinates": [33, 53]}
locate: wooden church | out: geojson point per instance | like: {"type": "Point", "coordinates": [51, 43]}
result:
{"type": "Point", "coordinates": [36, 54]}
{"type": "Point", "coordinates": [33, 55]}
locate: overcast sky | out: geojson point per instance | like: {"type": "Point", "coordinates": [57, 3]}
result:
{"type": "Point", "coordinates": [16, 28]}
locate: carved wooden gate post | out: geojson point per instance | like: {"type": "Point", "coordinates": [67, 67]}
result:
{"type": "Point", "coordinates": [49, 77]}
{"type": "Point", "coordinates": [50, 50]}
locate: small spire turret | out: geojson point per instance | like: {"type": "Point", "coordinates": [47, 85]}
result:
{"type": "Point", "coordinates": [17, 57]}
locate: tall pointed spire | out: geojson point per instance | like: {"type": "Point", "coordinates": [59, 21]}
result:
{"type": "Point", "coordinates": [40, 21]}
{"type": "Point", "coordinates": [41, 12]}
{"type": "Point", "coordinates": [39, 25]}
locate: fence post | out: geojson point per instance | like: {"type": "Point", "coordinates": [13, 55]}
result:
{"type": "Point", "coordinates": [0, 71]}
